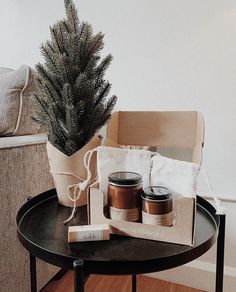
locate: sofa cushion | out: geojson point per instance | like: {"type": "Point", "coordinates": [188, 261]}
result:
{"type": "Point", "coordinates": [4, 70]}
{"type": "Point", "coordinates": [16, 88]}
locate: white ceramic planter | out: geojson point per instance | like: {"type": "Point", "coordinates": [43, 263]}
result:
{"type": "Point", "coordinates": [63, 169]}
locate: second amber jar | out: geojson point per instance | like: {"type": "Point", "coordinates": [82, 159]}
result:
{"type": "Point", "coordinates": [157, 206]}
{"type": "Point", "coordinates": [124, 195]}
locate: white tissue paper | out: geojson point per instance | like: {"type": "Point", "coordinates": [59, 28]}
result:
{"type": "Point", "coordinates": [180, 177]}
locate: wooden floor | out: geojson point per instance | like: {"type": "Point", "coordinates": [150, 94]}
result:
{"type": "Point", "coordinates": [116, 284]}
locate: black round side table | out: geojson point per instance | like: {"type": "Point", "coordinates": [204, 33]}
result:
{"type": "Point", "coordinates": [41, 232]}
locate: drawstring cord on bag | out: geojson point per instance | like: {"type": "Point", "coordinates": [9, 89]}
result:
{"type": "Point", "coordinates": [220, 210]}
{"type": "Point", "coordinates": [81, 186]}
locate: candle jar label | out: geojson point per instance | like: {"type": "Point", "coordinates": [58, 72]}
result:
{"type": "Point", "coordinates": [161, 219]}
{"type": "Point", "coordinates": [124, 214]}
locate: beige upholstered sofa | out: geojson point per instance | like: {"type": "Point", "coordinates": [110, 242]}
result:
{"type": "Point", "coordinates": [24, 172]}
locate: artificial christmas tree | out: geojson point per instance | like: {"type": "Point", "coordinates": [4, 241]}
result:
{"type": "Point", "coordinates": [72, 102]}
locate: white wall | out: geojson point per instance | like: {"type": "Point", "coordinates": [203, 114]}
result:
{"type": "Point", "coordinates": [168, 55]}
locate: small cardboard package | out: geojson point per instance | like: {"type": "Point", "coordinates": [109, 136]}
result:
{"type": "Point", "coordinates": [178, 135]}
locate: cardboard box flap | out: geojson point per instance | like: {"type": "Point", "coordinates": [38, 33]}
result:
{"type": "Point", "coordinates": [177, 129]}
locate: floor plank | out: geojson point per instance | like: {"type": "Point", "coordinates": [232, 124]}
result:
{"type": "Point", "coordinates": [97, 283]}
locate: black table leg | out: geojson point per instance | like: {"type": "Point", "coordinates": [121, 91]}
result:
{"type": "Point", "coordinates": [33, 276]}
{"type": "Point", "coordinates": [220, 255]}
{"type": "Point", "coordinates": [134, 283]}
{"type": "Point", "coordinates": [78, 276]}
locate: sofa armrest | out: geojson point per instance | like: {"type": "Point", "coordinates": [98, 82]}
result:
{"type": "Point", "coordinates": [19, 141]}
{"type": "Point", "coordinates": [24, 172]}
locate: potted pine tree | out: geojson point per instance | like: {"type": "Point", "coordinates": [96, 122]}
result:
{"type": "Point", "coordinates": [72, 102]}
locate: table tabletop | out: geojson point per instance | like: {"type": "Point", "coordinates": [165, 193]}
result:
{"type": "Point", "coordinates": [41, 231]}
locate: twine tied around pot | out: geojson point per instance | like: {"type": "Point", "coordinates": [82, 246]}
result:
{"type": "Point", "coordinates": [78, 187]}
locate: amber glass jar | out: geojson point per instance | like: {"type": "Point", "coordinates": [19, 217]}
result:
{"type": "Point", "coordinates": [124, 195]}
{"type": "Point", "coordinates": [157, 206]}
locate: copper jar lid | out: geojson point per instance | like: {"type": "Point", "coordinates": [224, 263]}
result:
{"type": "Point", "coordinates": [125, 178]}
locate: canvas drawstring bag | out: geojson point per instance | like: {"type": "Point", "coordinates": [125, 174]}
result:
{"type": "Point", "coordinates": [180, 177]}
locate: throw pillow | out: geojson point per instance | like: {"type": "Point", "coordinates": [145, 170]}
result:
{"type": "Point", "coordinates": [16, 88]}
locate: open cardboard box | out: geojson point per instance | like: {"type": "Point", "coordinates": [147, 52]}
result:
{"type": "Point", "coordinates": [181, 232]}
{"type": "Point", "coordinates": [180, 135]}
